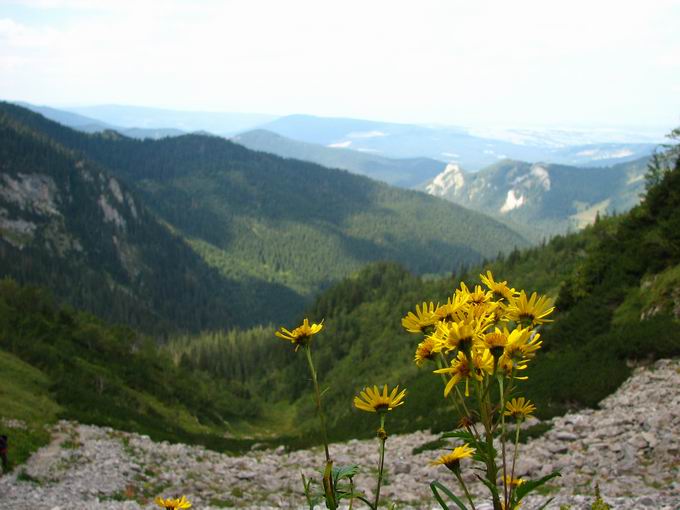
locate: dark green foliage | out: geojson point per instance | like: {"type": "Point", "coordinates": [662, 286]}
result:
{"type": "Point", "coordinates": [112, 376]}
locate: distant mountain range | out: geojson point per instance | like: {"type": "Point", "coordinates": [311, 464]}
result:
{"type": "Point", "coordinates": [541, 200]}
{"type": "Point", "coordinates": [218, 123]}
{"type": "Point", "coordinates": [195, 232]}
{"type": "Point", "coordinates": [471, 148]}
{"type": "Point", "coordinates": [405, 172]}
{"type": "Point", "coordinates": [454, 145]}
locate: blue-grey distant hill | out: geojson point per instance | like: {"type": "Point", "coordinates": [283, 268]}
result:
{"type": "Point", "coordinates": [405, 172]}
{"type": "Point", "coordinates": [450, 144]}
{"type": "Point", "coordinates": [218, 123]}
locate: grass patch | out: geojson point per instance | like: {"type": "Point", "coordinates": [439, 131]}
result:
{"type": "Point", "coordinates": [25, 404]}
{"type": "Point", "coordinates": [437, 444]}
{"type": "Point", "coordinates": [534, 431]}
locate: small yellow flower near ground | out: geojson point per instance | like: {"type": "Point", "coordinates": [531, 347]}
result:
{"type": "Point", "coordinates": [372, 401]}
{"type": "Point", "coordinates": [532, 311]}
{"type": "Point", "coordinates": [519, 408]}
{"type": "Point", "coordinates": [173, 504]}
{"type": "Point", "coordinates": [517, 505]}
{"type": "Point", "coordinates": [300, 335]}
{"type": "Point", "coordinates": [452, 460]}
{"type": "Point", "coordinates": [513, 482]}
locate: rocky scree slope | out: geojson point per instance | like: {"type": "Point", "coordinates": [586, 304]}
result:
{"type": "Point", "coordinates": [630, 447]}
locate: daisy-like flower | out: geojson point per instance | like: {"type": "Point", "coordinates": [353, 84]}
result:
{"type": "Point", "coordinates": [519, 408]}
{"type": "Point", "coordinates": [496, 340]}
{"type": "Point", "coordinates": [372, 401]}
{"type": "Point", "coordinates": [532, 311]}
{"type": "Point", "coordinates": [480, 296]}
{"type": "Point", "coordinates": [522, 344]}
{"type": "Point", "coordinates": [461, 369]}
{"type": "Point", "coordinates": [508, 367]}
{"type": "Point", "coordinates": [425, 351]}
{"type": "Point", "coordinates": [300, 335]}
{"type": "Point", "coordinates": [452, 460]}
{"type": "Point", "coordinates": [450, 336]}
{"type": "Point", "coordinates": [482, 362]}
{"type": "Point", "coordinates": [499, 289]}
{"type": "Point", "coordinates": [454, 308]}
{"type": "Point", "coordinates": [422, 319]}
{"type": "Point", "coordinates": [173, 504]}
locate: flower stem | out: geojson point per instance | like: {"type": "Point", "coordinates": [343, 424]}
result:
{"type": "Point", "coordinates": [465, 490]}
{"type": "Point", "coordinates": [319, 411]}
{"type": "Point", "coordinates": [514, 456]}
{"type": "Point", "coordinates": [491, 468]}
{"type": "Point", "coordinates": [327, 474]}
{"type": "Point", "coordinates": [503, 440]}
{"type": "Point", "coordinates": [383, 437]}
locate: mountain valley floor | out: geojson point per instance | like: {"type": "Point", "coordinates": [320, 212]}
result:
{"type": "Point", "coordinates": [629, 447]}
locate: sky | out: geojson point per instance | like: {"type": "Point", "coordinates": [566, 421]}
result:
{"type": "Point", "coordinates": [550, 63]}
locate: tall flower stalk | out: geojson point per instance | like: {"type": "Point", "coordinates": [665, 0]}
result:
{"type": "Point", "coordinates": [373, 401]}
{"type": "Point", "coordinates": [301, 337]}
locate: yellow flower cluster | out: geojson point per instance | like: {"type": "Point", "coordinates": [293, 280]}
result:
{"type": "Point", "coordinates": [478, 332]}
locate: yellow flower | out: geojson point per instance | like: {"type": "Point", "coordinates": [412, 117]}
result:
{"type": "Point", "coordinates": [522, 344]}
{"type": "Point", "coordinates": [453, 309]}
{"type": "Point", "coordinates": [450, 336]}
{"type": "Point", "coordinates": [507, 366]}
{"type": "Point", "coordinates": [496, 340]}
{"type": "Point", "coordinates": [517, 505]}
{"type": "Point", "coordinates": [173, 503]}
{"type": "Point", "coordinates": [460, 369]}
{"type": "Point", "coordinates": [424, 351]}
{"type": "Point", "coordinates": [532, 311]}
{"type": "Point", "coordinates": [519, 408]}
{"type": "Point", "coordinates": [482, 361]}
{"type": "Point", "coordinates": [499, 289]}
{"type": "Point", "coordinates": [300, 335]}
{"type": "Point", "coordinates": [452, 460]}
{"type": "Point", "coordinates": [371, 400]}
{"type": "Point", "coordinates": [513, 482]}
{"type": "Point", "coordinates": [479, 296]}
{"type": "Point", "coordinates": [423, 318]}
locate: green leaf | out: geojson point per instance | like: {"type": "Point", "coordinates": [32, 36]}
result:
{"type": "Point", "coordinates": [341, 472]}
{"type": "Point", "coordinates": [529, 486]}
{"type": "Point", "coordinates": [436, 485]}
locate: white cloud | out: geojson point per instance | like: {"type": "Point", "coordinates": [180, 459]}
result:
{"type": "Point", "coordinates": [445, 61]}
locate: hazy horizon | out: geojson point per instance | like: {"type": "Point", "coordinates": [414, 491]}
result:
{"type": "Point", "coordinates": [574, 65]}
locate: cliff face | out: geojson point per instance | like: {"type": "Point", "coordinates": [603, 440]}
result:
{"type": "Point", "coordinates": [629, 447]}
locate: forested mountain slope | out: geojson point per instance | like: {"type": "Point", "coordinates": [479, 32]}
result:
{"type": "Point", "coordinates": [67, 224]}
{"type": "Point", "coordinates": [616, 285]}
{"type": "Point", "coordinates": [261, 218]}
